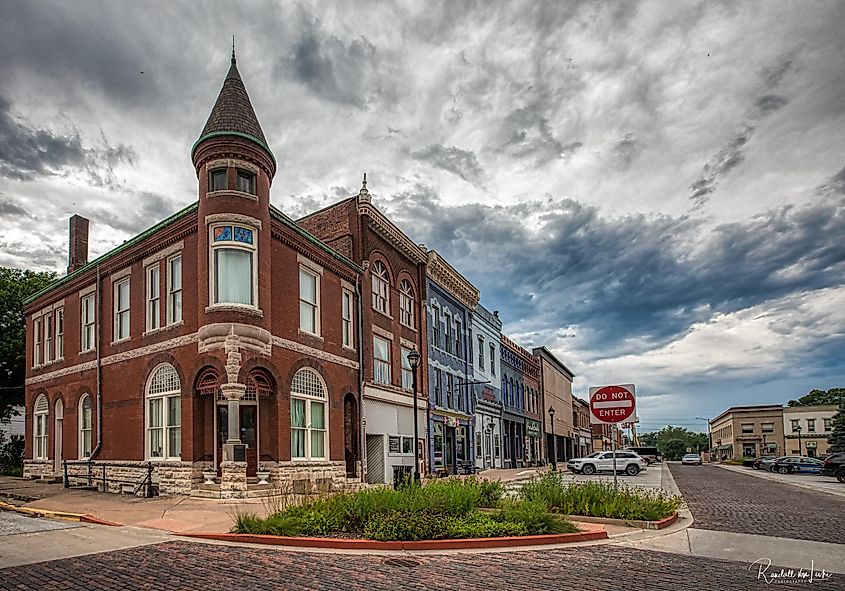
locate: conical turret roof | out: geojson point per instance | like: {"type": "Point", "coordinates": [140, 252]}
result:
{"type": "Point", "coordinates": [233, 112]}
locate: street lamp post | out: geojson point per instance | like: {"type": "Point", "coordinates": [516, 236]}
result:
{"type": "Point", "coordinates": [554, 439]}
{"type": "Point", "coordinates": [798, 428]}
{"type": "Point", "coordinates": [414, 359]}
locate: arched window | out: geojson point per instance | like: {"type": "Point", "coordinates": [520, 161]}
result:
{"type": "Point", "coordinates": [84, 427]}
{"type": "Point", "coordinates": [381, 291]}
{"type": "Point", "coordinates": [308, 416]}
{"type": "Point", "coordinates": [234, 275]}
{"type": "Point", "coordinates": [406, 303]}
{"type": "Point", "coordinates": [164, 413]}
{"type": "Point", "coordinates": [258, 384]}
{"type": "Point", "coordinates": [40, 427]}
{"type": "Point", "coordinates": [207, 382]}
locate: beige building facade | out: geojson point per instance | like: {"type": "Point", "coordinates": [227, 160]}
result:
{"type": "Point", "coordinates": [814, 425]}
{"type": "Point", "coordinates": [556, 387]}
{"type": "Point", "coordinates": [747, 431]}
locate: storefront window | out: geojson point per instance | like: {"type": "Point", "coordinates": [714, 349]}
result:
{"type": "Point", "coordinates": [438, 445]}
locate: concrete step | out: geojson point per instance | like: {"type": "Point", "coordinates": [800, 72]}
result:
{"type": "Point", "coordinates": [205, 494]}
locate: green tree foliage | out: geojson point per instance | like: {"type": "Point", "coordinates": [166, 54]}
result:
{"type": "Point", "coordinates": [15, 286]}
{"type": "Point", "coordinates": [672, 442]}
{"type": "Point", "coordinates": [818, 397]}
{"type": "Point", "coordinates": [836, 439]}
{"type": "Point", "coordinates": [11, 454]}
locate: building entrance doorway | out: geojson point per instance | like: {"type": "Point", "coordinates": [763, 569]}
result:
{"type": "Point", "coordinates": [248, 424]}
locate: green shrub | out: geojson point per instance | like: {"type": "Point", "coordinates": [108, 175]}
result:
{"type": "Point", "coordinates": [534, 516]}
{"type": "Point", "coordinates": [599, 499]}
{"type": "Point", "coordinates": [480, 525]}
{"type": "Point", "coordinates": [407, 525]}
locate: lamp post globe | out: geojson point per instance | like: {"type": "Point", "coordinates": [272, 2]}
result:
{"type": "Point", "coordinates": [414, 359]}
{"type": "Point", "coordinates": [554, 439]}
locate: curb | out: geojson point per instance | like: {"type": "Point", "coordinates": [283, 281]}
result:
{"type": "Point", "coordinates": [653, 525]}
{"type": "Point", "coordinates": [64, 515]}
{"type": "Point", "coordinates": [462, 544]}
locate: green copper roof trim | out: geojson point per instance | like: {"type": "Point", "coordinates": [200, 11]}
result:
{"type": "Point", "coordinates": [245, 136]}
{"type": "Point", "coordinates": [279, 216]}
{"type": "Point", "coordinates": [104, 257]}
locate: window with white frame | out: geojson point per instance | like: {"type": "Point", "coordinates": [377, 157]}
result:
{"type": "Point", "coordinates": [309, 301]}
{"type": "Point", "coordinates": [480, 352]}
{"type": "Point", "coordinates": [60, 333]}
{"type": "Point", "coordinates": [164, 413]}
{"type": "Point", "coordinates": [233, 265]}
{"type": "Point", "coordinates": [85, 427]}
{"type": "Point", "coordinates": [828, 424]}
{"type": "Point", "coordinates": [174, 289]}
{"type": "Point", "coordinates": [447, 321]}
{"type": "Point", "coordinates": [381, 365]}
{"type": "Point", "coordinates": [811, 425]}
{"type": "Point", "coordinates": [459, 350]}
{"type": "Point", "coordinates": [795, 425]}
{"type": "Point", "coordinates": [435, 322]}
{"type": "Point", "coordinates": [407, 372]}
{"type": "Point", "coordinates": [88, 319]}
{"type": "Point", "coordinates": [346, 317]}
{"type": "Point", "coordinates": [36, 344]}
{"type": "Point", "coordinates": [381, 287]}
{"type": "Point", "coordinates": [154, 297]}
{"type": "Point", "coordinates": [121, 309]}
{"type": "Point", "coordinates": [308, 416]}
{"type": "Point", "coordinates": [492, 359]}
{"type": "Point", "coordinates": [478, 444]}
{"type": "Point", "coordinates": [406, 303]}
{"type": "Point", "coordinates": [40, 428]}
{"type": "Point", "coordinates": [48, 338]}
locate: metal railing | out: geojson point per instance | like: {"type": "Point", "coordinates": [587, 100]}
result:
{"type": "Point", "coordinates": [99, 473]}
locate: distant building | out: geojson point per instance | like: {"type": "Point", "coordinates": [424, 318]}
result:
{"type": "Point", "coordinates": [815, 423]}
{"type": "Point", "coordinates": [522, 406]}
{"type": "Point", "coordinates": [556, 386]}
{"type": "Point", "coordinates": [15, 426]}
{"type": "Point", "coordinates": [484, 350]}
{"type": "Point", "coordinates": [747, 431]}
{"type": "Point", "coordinates": [582, 439]}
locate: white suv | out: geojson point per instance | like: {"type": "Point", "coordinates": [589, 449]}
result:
{"type": "Point", "coordinates": [602, 461]}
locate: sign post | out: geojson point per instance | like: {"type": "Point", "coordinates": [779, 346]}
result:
{"type": "Point", "coordinates": [612, 405]}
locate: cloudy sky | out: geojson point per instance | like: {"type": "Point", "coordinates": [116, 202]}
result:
{"type": "Point", "coordinates": [655, 191]}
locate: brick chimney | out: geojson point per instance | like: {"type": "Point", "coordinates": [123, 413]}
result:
{"type": "Point", "coordinates": [77, 256]}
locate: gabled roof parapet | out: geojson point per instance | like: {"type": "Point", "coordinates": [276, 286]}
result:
{"type": "Point", "coordinates": [445, 275]}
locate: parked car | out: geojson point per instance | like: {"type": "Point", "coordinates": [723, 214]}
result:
{"type": "Point", "coordinates": [795, 464]}
{"type": "Point", "coordinates": [757, 462]}
{"type": "Point", "coordinates": [691, 459]}
{"type": "Point", "coordinates": [766, 463]}
{"type": "Point", "coordinates": [834, 465]}
{"type": "Point", "coordinates": [626, 461]}
{"type": "Point", "coordinates": [649, 454]}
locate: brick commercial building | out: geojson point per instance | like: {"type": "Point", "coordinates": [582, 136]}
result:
{"type": "Point", "coordinates": [224, 340]}
{"type": "Point", "coordinates": [484, 349]}
{"type": "Point", "coordinates": [582, 433]}
{"type": "Point", "coordinates": [747, 431]}
{"type": "Point", "coordinates": [393, 322]}
{"type": "Point", "coordinates": [522, 406]}
{"type": "Point", "coordinates": [556, 386]}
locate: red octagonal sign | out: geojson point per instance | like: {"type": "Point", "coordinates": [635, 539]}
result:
{"type": "Point", "coordinates": [612, 404]}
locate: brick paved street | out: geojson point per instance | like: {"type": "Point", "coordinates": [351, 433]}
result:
{"type": "Point", "coordinates": [728, 501]}
{"type": "Point", "coordinates": [186, 565]}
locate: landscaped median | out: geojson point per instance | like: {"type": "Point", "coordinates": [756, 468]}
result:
{"type": "Point", "coordinates": [451, 513]}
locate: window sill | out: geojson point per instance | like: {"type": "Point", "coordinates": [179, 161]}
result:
{"type": "Point", "coordinates": [310, 335]}
{"type": "Point", "coordinates": [123, 340]}
{"type": "Point", "coordinates": [232, 193]}
{"type": "Point", "coordinates": [408, 326]}
{"type": "Point", "coordinates": [242, 308]}
{"type": "Point", "coordinates": [385, 314]}
{"type": "Point", "coordinates": [86, 351]}
{"type": "Point", "coordinates": [163, 328]}
{"type": "Point", "coordinates": [306, 461]}
{"type": "Point", "coordinates": [348, 348]}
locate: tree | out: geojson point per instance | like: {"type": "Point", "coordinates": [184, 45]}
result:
{"type": "Point", "coordinates": [15, 286]}
{"type": "Point", "coordinates": [818, 397]}
{"type": "Point", "coordinates": [836, 440]}
{"type": "Point", "coordinates": [672, 442]}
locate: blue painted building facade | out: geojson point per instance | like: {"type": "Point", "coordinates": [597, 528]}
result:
{"type": "Point", "coordinates": [451, 299]}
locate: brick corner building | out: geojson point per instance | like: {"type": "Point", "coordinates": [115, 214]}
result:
{"type": "Point", "coordinates": [221, 345]}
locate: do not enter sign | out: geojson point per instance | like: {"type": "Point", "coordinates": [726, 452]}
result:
{"type": "Point", "coordinates": [612, 404]}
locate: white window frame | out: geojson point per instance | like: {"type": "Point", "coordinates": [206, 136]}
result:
{"type": "Point", "coordinates": [165, 396]}
{"type": "Point", "coordinates": [60, 334]}
{"type": "Point", "coordinates": [407, 372]}
{"type": "Point", "coordinates": [403, 440]}
{"type": "Point", "coordinates": [36, 344]}
{"type": "Point", "coordinates": [459, 328]}
{"type": "Point", "coordinates": [174, 293]}
{"type": "Point", "coordinates": [41, 428]}
{"type": "Point", "coordinates": [492, 359]}
{"type": "Point", "coordinates": [346, 317]}
{"type": "Point", "coordinates": [380, 280]}
{"type": "Point", "coordinates": [406, 303]}
{"type": "Point", "coordinates": [84, 433]}
{"type": "Point", "coordinates": [381, 367]}
{"type": "Point", "coordinates": [88, 323]}
{"type": "Point", "coordinates": [811, 425]}
{"type": "Point", "coordinates": [447, 333]}
{"type": "Point", "coordinates": [232, 245]}
{"type": "Point", "coordinates": [307, 306]}
{"type": "Point", "coordinates": [435, 322]}
{"type": "Point", "coordinates": [153, 290]}
{"type": "Point", "coordinates": [48, 338]}
{"type": "Point", "coordinates": [795, 424]}
{"type": "Point", "coordinates": [118, 335]}
{"type": "Point", "coordinates": [481, 352]}
{"type": "Point", "coordinates": [310, 399]}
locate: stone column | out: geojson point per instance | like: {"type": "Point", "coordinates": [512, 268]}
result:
{"type": "Point", "coordinates": [233, 393]}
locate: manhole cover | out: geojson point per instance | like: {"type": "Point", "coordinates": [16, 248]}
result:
{"type": "Point", "coordinates": [405, 562]}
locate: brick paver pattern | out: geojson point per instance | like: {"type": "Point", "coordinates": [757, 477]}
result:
{"type": "Point", "coordinates": [723, 500]}
{"type": "Point", "coordinates": [188, 565]}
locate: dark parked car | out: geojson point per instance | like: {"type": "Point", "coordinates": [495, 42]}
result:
{"type": "Point", "coordinates": [796, 464]}
{"type": "Point", "coordinates": [758, 461]}
{"type": "Point", "coordinates": [767, 463]}
{"type": "Point", "coordinates": [834, 465]}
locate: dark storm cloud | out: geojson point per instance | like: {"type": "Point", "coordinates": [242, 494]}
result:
{"type": "Point", "coordinates": [835, 185]}
{"type": "Point", "coordinates": [28, 152]}
{"type": "Point", "coordinates": [562, 263]}
{"type": "Point", "coordinates": [11, 209]}
{"type": "Point", "coordinates": [334, 69]}
{"type": "Point", "coordinates": [147, 209]}
{"type": "Point", "coordinates": [529, 134]}
{"type": "Point", "coordinates": [455, 160]}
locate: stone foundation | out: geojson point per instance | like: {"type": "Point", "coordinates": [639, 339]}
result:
{"type": "Point", "coordinates": [233, 480]}
{"type": "Point", "coordinates": [169, 478]}
{"type": "Point", "coordinates": [37, 468]}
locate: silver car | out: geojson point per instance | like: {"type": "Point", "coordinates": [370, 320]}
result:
{"type": "Point", "coordinates": [691, 460]}
{"type": "Point", "coordinates": [602, 461]}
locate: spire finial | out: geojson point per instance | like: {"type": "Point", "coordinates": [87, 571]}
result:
{"type": "Point", "coordinates": [233, 49]}
{"type": "Point", "coordinates": [365, 181]}
{"type": "Point", "coordinates": [364, 194]}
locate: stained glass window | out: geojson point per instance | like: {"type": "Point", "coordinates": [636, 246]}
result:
{"type": "Point", "coordinates": [222, 233]}
{"type": "Point", "coordinates": [243, 235]}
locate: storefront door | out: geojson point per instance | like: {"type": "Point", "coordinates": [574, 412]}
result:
{"type": "Point", "coordinates": [248, 434]}
{"type": "Point", "coordinates": [449, 452]}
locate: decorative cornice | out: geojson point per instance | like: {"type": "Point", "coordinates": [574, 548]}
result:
{"type": "Point", "coordinates": [382, 332]}
{"type": "Point", "coordinates": [236, 218]}
{"type": "Point", "coordinates": [150, 349]}
{"type": "Point", "coordinates": [445, 275]}
{"type": "Point", "coordinates": [164, 253]}
{"type": "Point", "coordinates": [249, 337]}
{"type": "Point", "coordinates": [388, 230]}
{"type": "Point", "coordinates": [306, 350]}
{"type": "Point", "coordinates": [59, 373]}
{"type": "Point", "coordinates": [232, 163]}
